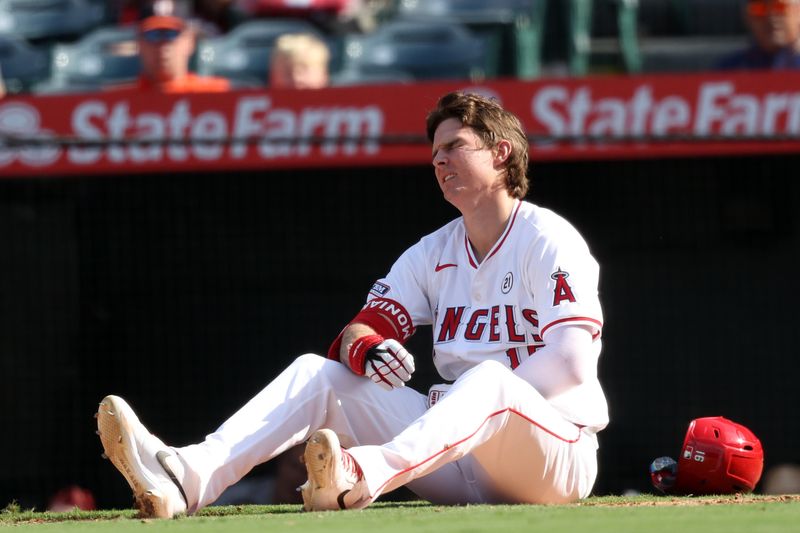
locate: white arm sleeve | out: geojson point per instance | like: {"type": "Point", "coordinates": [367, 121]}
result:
{"type": "Point", "coordinates": [565, 362]}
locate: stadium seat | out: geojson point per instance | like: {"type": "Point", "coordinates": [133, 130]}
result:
{"type": "Point", "coordinates": [508, 29]}
{"type": "Point", "coordinates": [51, 19]}
{"type": "Point", "coordinates": [672, 18]}
{"type": "Point", "coordinates": [354, 76]}
{"type": "Point", "coordinates": [466, 11]}
{"type": "Point", "coordinates": [514, 30]}
{"type": "Point", "coordinates": [685, 35]}
{"type": "Point", "coordinates": [613, 26]}
{"type": "Point", "coordinates": [242, 55]}
{"type": "Point", "coordinates": [688, 54]}
{"type": "Point", "coordinates": [23, 65]}
{"type": "Point", "coordinates": [106, 56]}
{"type": "Point", "coordinates": [423, 49]}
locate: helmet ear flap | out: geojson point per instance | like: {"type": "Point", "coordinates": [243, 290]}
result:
{"type": "Point", "coordinates": [718, 457]}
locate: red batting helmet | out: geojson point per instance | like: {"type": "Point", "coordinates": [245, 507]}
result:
{"type": "Point", "coordinates": [718, 457]}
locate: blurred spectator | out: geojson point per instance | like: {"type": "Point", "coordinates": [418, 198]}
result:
{"type": "Point", "coordinates": [128, 11]}
{"type": "Point", "coordinates": [299, 61]}
{"type": "Point", "coordinates": [782, 479]}
{"type": "Point", "coordinates": [209, 18]}
{"type": "Point", "coordinates": [775, 29]}
{"type": "Point", "coordinates": [71, 497]}
{"type": "Point", "coordinates": [133, 11]}
{"type": "Point", "coordinates": [332, 16]}
{"type": "Point", "coordinates": [290, 474]}
{"type": "Point", "coordinates": [218, 16]}
{"type": "Point", "coordinates": [2, 85]}
{"type": "Point", "coordinates": [277, 487]}
{"type": "Point", "coordinates": [166, 43]}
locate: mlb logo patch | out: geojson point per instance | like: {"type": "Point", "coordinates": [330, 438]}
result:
{"type": "Point", "coordinates": [437, 392]}
{"type": "Point", "coordinates": [379, 289]}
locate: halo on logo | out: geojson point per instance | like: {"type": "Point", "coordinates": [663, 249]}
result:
{"type": "Point", "coordinates": [23, 120]}
{"type": "Point", "coordinates": [20, 119]}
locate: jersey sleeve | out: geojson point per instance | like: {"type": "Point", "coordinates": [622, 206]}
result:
{"type": "Point", "coordinates": [397, 303]}
{"type": "Point", "coordinates": [406, 284]}
{"type": "Point", "coordinates": [564, 278]}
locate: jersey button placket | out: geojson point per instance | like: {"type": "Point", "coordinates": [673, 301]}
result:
{"type": "Point", "coordinates": [477, 286]}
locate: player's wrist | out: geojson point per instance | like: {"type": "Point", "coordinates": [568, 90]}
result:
{"type": "Point", "coordinates": [358, 351]}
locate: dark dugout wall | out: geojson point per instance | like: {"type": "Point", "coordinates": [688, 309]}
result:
{"type": "Point", "coordinates": [187, 293]}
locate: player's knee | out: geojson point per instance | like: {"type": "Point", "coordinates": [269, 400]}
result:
{"type": "Point", "coordinates": [318, 367]}
{"type": "Point", "coordinates": [488, 373]}
{"type": "Point", "coordinates": [310, 361]}
{"type": "Point", "coordinates": [493, 380]}
{"type": "Point", "coordinates": [492, 368]}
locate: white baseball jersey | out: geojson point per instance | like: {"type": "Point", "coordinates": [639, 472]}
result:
{"type": "Point", "coordinates": [539, 276]}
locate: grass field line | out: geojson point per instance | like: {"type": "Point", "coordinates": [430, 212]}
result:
{"type": "Point", "coordinates": [399, 516]}
{"type": "Point", "coordinates": [653, 501]}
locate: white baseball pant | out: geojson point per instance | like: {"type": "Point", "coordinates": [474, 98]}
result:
{"type": "Point", "coordinates": [491, 439]}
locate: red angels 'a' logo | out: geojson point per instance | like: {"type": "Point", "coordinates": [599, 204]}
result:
{"type": "Point", "coordinates": [562, 291]}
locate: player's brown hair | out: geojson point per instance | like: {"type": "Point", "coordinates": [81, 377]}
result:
{"type": "Point", "coordinates": [492, 123]}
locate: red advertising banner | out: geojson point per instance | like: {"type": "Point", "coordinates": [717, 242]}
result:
{"type": "Point", "coordinates": [571, 118]}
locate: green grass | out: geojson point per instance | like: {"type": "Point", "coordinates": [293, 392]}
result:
{"type": "Point", "coordinates": [647, 514]}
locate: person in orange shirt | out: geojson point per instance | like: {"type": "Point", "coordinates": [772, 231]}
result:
{"type": "Point", "coordinates": [166, 43]}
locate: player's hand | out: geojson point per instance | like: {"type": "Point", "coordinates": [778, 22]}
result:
{"type": "Point", "coordinates": [389, 364]}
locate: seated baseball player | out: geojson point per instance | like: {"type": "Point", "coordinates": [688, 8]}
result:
{"type": "Point", "coordinates": [510, 291]}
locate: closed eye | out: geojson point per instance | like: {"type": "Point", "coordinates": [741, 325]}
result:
{"type": "Point", "coordinates": [446, 147]}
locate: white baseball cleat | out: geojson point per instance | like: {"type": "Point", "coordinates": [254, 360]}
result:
{"type": "Point", "coordinates": [332, 473]}
{"type": "Point", "coordinates": [148, 464]}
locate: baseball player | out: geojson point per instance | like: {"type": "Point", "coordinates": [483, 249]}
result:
{"type": "Point", "coordinates": [510, 291]}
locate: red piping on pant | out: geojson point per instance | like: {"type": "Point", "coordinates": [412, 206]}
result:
{"type": "Point", "coordinates": [449, 446]}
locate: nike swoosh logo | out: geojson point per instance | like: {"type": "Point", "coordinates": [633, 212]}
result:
{"type": "Point", "coordinates": [161, 458]}
{"type": "Point", "coordinates": [439, 267]}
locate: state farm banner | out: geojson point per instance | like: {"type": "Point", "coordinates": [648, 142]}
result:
{"type": "Point", "coordinates": [588, 118]}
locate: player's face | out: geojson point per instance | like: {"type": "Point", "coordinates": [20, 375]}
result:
{"type": "Point", "coordinates": [466, 170]}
